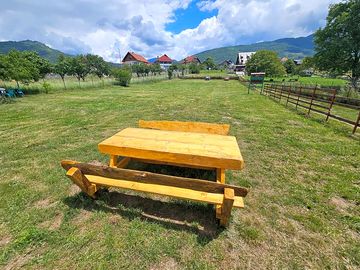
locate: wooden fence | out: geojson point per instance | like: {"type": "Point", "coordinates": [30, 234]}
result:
{"type": "Point", "coordinates": [316, 99]}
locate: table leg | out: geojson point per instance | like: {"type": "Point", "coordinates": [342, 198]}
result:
{"type": "Point", "coordinates": [113, 161]}
{"type": "Point", "coordinates": [220, 178]}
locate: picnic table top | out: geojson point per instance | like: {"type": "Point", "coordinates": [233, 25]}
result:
{"type": "Point", "coordinates": [185, 148]}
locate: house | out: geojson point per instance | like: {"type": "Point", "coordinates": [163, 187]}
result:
{"type": "Point", "coordinates": [164, 61]}
{"type": "Point", "coordinates": [191, 59]}
{"type": "Point", "coordinates": [298, 62]}
{"type": "Point", "coordinates": [241, 60]}
{"type": "Point", "coordinates": [226, 64]}
{"type": "Point", "coordinates": [132, 58]}
{"type": "Point", "coordinates": [284, 59]}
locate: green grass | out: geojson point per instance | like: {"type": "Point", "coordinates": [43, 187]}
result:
{"type": "Point", "coordinates": [311, 80]}
{"type": "Point", "coordinates": [56, 84]}
{"type": "Point", "coordinates": [302, 210]}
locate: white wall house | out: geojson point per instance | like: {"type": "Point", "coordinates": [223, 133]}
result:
{"type": "Point", "coordinates": [241, 62]}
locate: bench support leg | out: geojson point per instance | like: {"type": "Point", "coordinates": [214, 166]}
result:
{"type": "Point", "coordinates": [81, 181]}
{"type": "Point", "coordinates": [227, 206]}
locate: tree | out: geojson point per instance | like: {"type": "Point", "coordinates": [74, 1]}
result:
{"type": "Point", "coordinates": [40, 63]}
{"type": "Point", "coordinates": [337, 45]}
{"type": "Point", "coordinates": [307, 62]}
{"type": "Point", "coordinates": [3, 68]}
{"type": "Point", "coordinates": [62, 67]}
{"type": "Point", "coordinates": [97, 66]}
{"type": "Point", "coordinates": [265, 61]}
{"type": "Point", "coordinates": [79, 67]}
{"type": "Point", "coordinates": [209, 63]}
{"type": "Point", "coordinates": [122, 75]}
{"type": "Point", "coordinates": [290, 66]}
{"type": "Point", "coordinates": [20, 68]}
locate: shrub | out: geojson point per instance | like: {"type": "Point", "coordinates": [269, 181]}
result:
{"type": "Point", "coordinates": [122, 76]}
{"type": "Point", "coordinates": [194, 68]}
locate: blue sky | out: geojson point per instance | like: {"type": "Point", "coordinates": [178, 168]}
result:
{"type": "Point", "coordinates": [176, 27]}
{"type": "Point", "coordinates": [187, 18]}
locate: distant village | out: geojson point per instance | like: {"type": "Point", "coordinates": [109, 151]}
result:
{"type": "Point", "coordinates": [132, 58]}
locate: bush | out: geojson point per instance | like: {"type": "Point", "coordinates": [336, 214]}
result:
{"type": "Point", "coordinates": [194, 68]}
{"type": "Point", "coordinates": [122, 76]}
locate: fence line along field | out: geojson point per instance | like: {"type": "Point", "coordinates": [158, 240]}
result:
{"type": "Point", "coordinates": [318, 100]}
{"type": "Point", "coordinates": [303, 175]}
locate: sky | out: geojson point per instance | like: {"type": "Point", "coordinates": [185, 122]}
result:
{"type": "Point", "coordinates": [153, 27]}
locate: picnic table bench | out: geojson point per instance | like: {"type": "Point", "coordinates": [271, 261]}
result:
{"type": "Point", "coordinates": [184, 144]}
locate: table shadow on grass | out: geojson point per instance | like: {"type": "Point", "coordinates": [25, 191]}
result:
{"type": "Point", "coordinates": [175, 215]}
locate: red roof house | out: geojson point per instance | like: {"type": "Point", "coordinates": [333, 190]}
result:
{"type": "Point", "coordinates": [134, 58]}
{"type": "Point", "coordinates": [191, 59]}
{"type": "Point", "coordinates": [164, 59]}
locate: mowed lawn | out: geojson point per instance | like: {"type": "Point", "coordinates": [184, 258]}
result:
{"type": "Point", "coordinates": [302, 210]}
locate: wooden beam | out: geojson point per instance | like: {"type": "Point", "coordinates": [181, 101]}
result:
{"type": "Point", "coordinates": [81, 181]}
{"type": "Point", "coordinates": [228, 203]}
{"type": "Point", "coordinates": [198, 127]}
{"type": "Point", "coordinates": [153, 178]}
{"type": "Point", "coordinates": [182, 193]}
{"type": "Point", "coordinates": [171, 164]}
{"type": "Point", "coordinates": [123, 162]}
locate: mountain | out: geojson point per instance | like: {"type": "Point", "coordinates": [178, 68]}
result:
{"type": "Point", "coordinates": [29, 45]}
{"type": "Point", "coordinates": [294, 48]}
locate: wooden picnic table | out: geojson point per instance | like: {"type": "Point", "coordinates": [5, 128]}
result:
{"type": "Point", "coordinates": [185, 144]}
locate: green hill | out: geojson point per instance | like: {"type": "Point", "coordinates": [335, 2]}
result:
{"type": "Point", "coordinates": [295, 48]}
{"type": "Point", "coordinates": [29, 45]}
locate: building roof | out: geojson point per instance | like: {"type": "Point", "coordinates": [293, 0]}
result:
{"type": "Point", "coordinates": [136, 56]}
{"type": "Point", "coordinates": [190, 59]}
{"type": "Point", "coordinates": [164, 58]}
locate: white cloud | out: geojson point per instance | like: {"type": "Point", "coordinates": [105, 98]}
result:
{"type": "Point", "coordinates": [107, 27]}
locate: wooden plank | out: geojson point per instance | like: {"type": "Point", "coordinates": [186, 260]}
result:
{"type": "Point", "coordinates": [198, 127]}
{"type": "Point", "coordinates": [182, 193]}
{"type": "Point", "coordinates": [228, 203]}
{"type": "Point", "coordinates": [81, 181]}
{"type": "Point", "coordinates": [152, 178]}
{"type": "Point", "coordinates": [198, 149]}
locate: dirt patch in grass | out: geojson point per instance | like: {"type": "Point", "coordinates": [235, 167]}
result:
{"type": "Point", "coordinates": [53, 224]}
{"type": "Point", "coordinates": [165, 264]}
{"type": "Point", "coordinates": [73, 189]}
{"type": "Point", "coordinates": [340, 203]}
{"type": "Point", "coordinates": [5, 240]}
{"type": "Point", "coordinates": [18, 262]}
{"type": "Point", "coordinates": [45, 203]}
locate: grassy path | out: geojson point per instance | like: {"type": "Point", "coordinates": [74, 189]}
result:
{"type": "Point", "coordinates": [302, 210]}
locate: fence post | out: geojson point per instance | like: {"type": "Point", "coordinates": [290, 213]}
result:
{"type": "Point", "coordinates": [282, 88]}
{"type": "Point", "coordinates": [312, 98]}
{"type": "Point", "coordinates": [357, 123]}
{"type": "Point", "coordinates": [331, 104]}
{"type": "Point", "coordinates": [289, 89]}
{"type": "Point", "coordinates": [297, 102]}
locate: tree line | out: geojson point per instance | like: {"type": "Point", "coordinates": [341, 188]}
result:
{"type": "Point", "coordinates": [27, 66]}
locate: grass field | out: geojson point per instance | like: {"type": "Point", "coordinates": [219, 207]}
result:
{"type": "Point", "coordinates": [302, 211]}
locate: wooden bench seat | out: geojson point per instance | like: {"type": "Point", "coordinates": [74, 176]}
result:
{"type": "Point", "coordinates": [91, 177]}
